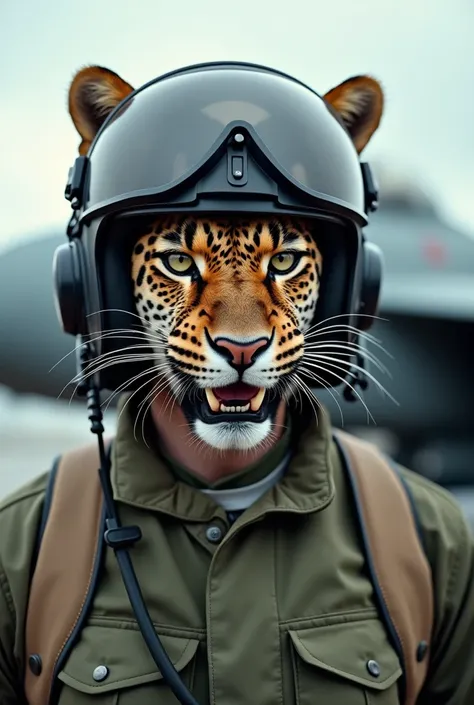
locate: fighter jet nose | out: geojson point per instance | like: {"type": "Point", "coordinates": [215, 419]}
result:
{"type": "Point", "coordinates": [32, 341]}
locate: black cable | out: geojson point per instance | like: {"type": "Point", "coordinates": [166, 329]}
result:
{"type": "Point", "coordinates": [120, 538]}
{"type": "Point", "coordinates": [155, 647]}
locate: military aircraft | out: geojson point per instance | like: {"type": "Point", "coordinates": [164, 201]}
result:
{"type": "Point", "coordinates": [427, 307]}
{"type": "Point", "coordinates": [428, 279]}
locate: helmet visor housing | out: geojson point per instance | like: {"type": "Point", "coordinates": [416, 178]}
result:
{"type": "Point", "coordinates": [164, 132]}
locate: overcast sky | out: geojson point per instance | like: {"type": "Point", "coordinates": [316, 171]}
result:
{"type": "Point", "coordinates": [421, 50]}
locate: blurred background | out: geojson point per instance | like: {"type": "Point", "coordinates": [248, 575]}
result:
{"type": "Point", "coordinates": [422, 155]}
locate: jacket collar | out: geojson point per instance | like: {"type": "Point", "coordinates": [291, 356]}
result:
{"type": "Point", "coordinates": [141, 478]}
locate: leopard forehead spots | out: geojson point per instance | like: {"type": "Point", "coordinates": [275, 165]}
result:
{"type": "Point", "coordinates": [229, 290]}
{"type": "Point", "coordinates": [227, 252]}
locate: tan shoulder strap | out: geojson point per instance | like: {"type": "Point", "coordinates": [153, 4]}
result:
{"type": "Point", "coordinates": [398, 560]}
{"type": "Point", "coordinates": [64, 568]}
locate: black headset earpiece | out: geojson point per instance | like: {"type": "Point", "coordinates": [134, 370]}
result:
{"type": "Point", "coordinates": [69, 289]}
{"type": "Point", "coordinates": [370, 285]}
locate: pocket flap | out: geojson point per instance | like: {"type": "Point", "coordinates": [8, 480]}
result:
{"type": "Point", "coordinates": [349, 650]}
{"type": "Point", "coordinates": [124, 654]}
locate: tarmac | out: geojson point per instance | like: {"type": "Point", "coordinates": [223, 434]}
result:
{"type": "Point", "coordinates": [34, 430]}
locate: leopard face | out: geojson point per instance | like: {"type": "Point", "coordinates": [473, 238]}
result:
{"type": "Point", "coordinates": [226, 305]}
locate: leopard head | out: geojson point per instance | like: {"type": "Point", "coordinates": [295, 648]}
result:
{"type": "Point", "coordinates": [226, 301]}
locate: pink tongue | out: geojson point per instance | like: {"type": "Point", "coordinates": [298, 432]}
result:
{"type": "Point", "coordinates": [234, 392]}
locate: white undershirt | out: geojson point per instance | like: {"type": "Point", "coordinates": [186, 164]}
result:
{"type": "Point", "coordinates": [240, 498]}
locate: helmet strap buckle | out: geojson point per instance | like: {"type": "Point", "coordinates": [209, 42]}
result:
{"type": "Point", "coordinates": [371, 189]}
{"type": "Point", "coordinates": [359, 379]}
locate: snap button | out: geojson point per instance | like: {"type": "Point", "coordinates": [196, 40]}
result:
{"type": "Point", "coordinates": [100, 673]}
{"type": "Point", "coordinates": [421, 651]}
{"type": "Point", "coordinates": [373, 668]}
{"type": "Point", "coordinates": [214, 534]}
{"type": "Point", "coordinates": [35, 663]}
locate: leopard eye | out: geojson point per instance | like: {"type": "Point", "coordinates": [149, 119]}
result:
{"type": "Point", "coordinates": [283, 262]}
{"type": "Point", "coordinates": [179, 263]}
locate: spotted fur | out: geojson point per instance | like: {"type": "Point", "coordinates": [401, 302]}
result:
{"type": "Point", "coordinates": [233, 295]}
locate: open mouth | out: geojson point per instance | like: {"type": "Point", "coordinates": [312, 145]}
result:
{"type": "Point", "coordinates": [236, 398]}
{"type": "Point", "coordinates": [235, 402]}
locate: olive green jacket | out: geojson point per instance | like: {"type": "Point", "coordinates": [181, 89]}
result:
{"type": "Point", "coordinates": [276, 608]}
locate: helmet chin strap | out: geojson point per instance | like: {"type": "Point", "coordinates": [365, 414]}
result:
{"type": "Point", "coordinates": [121, 538]}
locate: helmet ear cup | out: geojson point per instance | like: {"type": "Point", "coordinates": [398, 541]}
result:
{"type": "Point", "coordinates": [371, 285]}
{"type": "Point", "coordinates": [68, 289]}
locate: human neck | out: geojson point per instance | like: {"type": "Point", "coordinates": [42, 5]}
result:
{"type": "Point", "coordinates": [212, 465]}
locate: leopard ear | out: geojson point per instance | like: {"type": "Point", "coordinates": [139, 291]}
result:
{"type": "Point", "coordinates": [93, 94]}
{"type": "Point", "coordinates": [359, 104]}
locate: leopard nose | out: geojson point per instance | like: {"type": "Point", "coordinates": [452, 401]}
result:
{"type": "Point", "coordinates": [241, 354]}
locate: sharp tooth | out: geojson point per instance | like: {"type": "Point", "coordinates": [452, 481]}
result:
{"type": "Point", "coordinates": [212, 400]}
{"type": "Point", "coordinates": [256, 402]}
{"type": "Point", "coordinates": [235, 409]}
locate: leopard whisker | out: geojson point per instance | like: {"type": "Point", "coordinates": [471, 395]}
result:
{"type": "Point", "coordinates": [287, 390]}
{"type": "Point", "coordinates": [352, 387]}
{"type": "Point", "coordinates": [116, 310]}
{"type": "Point", "coordinates": [153, 394]}
{"type": "Point", "coordinates": [100, 365]}
{"type": "Point", "coordinates": [108, 355]}
{"type": "Point", "coordinates": [341, 328]}
{"type": "Point", "coordinates": [310, 396]}
{"type": "Point", "coordinates": [161, 383]}
{"type": "Point", "coordinates": [80, 378]}
{"type": "Point", "coordinates": [123, 386]}
{"type": "Point", "coordinates": [310, 350]}
{"type": "Point", "coordinates": [338, 329]}
{"type": "Point", "coordinates": [147, 382]}
{"type": "Point", "coordinates": [336, 362]}
{"type": "Point", "coordinates": [145, 332]}
{"type": "Point", "coordinates": [346, 315]}
{"type": "Point", "coordinates": [93, 339]}
{"type": "Point", "coordinates": [326, 386]}
{"type": "Point", "coordinates": [180, 388]}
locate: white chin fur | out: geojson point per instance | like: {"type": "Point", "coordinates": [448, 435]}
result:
{"type": "Point", "coordinates": [233, 436]}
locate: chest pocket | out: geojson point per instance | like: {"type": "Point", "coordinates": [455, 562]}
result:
{"type": "Point", "coordinates": [350, 663]}
{"type": "Point", "coordinates": [129, 675]}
